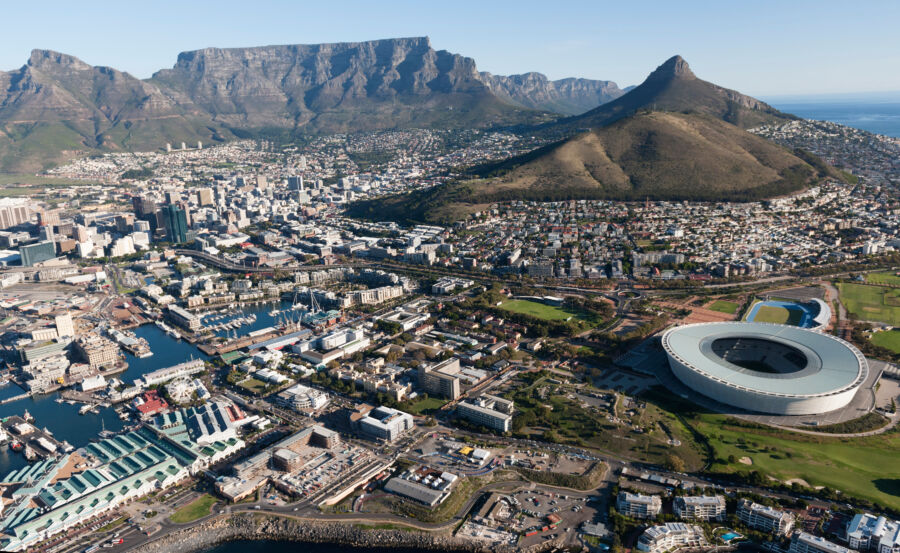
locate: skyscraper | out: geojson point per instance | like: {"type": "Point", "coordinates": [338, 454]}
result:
{"type": "Point", "coordinates": [176, 224]}
{"type": "Point", "coordinates": [64, 325]}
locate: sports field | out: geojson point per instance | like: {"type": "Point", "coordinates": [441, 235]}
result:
{"type": "Point", "coordinates": [871, 303]}
{"type": "Point", "coordinates": [779, 312]}
{"type": "Point", "coordinates": [539, 310]}
{"type": "Point", "coordinates": [886, 278]}
{"type": "Point", "coordinates": [724, 306]}
{"type": "Point", "coordinates": [889, 339]}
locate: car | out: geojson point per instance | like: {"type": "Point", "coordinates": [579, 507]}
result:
{"type": "Point", "coordinates": [256, 507]}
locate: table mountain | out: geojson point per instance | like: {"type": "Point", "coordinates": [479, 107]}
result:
{"type": "Point", "coordinates": [57, 106]}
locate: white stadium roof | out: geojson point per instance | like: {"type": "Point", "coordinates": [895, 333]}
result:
{"type": "Point", "coordinates": [803, 363]}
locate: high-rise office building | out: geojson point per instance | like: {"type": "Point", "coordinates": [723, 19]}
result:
{"type": "Point", "coordinates": [205, 196]}
{"type": "Point", "coordinates": [64, 325]}
{"type": "Point", "coordinates": [35, 253]}
{"type": "Point", "coordinates": [14, 211]}
{"type": "Point", "coordinates": [176, 224]}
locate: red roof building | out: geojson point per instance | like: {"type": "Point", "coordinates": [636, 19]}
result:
{"type": "Point", "coordinates": [149, 403]}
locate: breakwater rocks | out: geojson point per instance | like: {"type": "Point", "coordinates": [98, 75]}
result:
{"type": "Point", "coordinates": [247, 526]}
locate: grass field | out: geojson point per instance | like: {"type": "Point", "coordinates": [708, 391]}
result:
{"type": "Point", "coordinates": [864, 467]}
{"type": "Point", "coordinates": [723, 306]}
{"type": "Point", "coordinates": [886, 278]}
{"type": "Point", "coordinates": [253, 385]}
{"type": "Point", "coordinates": [889, 339]}
{"type": "Point", "coordinates": [198, 508]}
{"type": "Point", "coordinates": [7, 179]}
{"type": "Point", "coordinates": [871, 303]}
{"type": "Point", "coordinates": [539, 310]}
{"type": "Point", "coordinates": [779, 315]}
{"type": "Point", "coordinates": [425, 406]}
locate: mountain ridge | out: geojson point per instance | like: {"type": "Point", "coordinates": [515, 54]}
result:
{"type": "Point", "coordinates": [56, 106]}
{"type": "Point", "coordinates": [673, 86]}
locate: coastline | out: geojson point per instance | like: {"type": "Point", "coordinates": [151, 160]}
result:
{"type": "Point", "coordinates": [254, 526]}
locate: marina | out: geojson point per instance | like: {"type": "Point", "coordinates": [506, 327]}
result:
{"type": "Point", "coordinates": [76, 419]}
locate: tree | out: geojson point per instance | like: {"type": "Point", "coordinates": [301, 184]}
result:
{"type": "Point", "coordinates": [674, 463]}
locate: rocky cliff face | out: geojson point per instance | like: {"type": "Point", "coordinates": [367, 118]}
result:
{"type": "Point", "coordinates": [565, 96]}
{"type": "Point", "coordinates": [57, 103]}
{"type": "Point", "coordinates": [287, 86]}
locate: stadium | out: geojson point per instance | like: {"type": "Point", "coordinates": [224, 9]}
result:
{"type": "Point", "coordinates": [768, 368]}
{"type": "Point", "coordinates": [814, 314]}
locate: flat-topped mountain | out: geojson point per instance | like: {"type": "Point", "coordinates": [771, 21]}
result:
{"type": "Point", "coordinates": [56, 106]}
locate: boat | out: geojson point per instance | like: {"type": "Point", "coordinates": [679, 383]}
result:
{"type": "Point", "coordinates": [85, 409]}
{"type": "Point", "coordinates": [27, 416]}
{"type": "Point", "coordinates": [16, 446]}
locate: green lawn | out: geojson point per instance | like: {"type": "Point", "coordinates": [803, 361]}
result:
{"type": "Point", "coordinates": [779, 315]}
{"type": "Point", "coordinates": [889, 339]}
{"type": "Point", "coordinates": [425, 406]}
{"type": "Point", "coordinates": [723, 306]}
{"type": "Point", "coordinates": [864, 467]}
{"type": "Point", "coordinates": [198, 508]}
{"type": "Point", "coordinates": [871, 303]}
{"type": "Point", "coordinates": [253, 385]}
{"type": "Point", "coordinates": [539, 310]}
{"type": "Point", "coordinates": [886, 278]}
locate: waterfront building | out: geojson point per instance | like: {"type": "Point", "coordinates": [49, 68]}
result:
{"type": "Point", "coordinates": [97, 350]}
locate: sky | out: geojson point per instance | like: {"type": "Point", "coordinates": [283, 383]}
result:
{"type": "Point", "coordinates": [764, 48]}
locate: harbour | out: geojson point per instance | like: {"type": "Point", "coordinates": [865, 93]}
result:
{"type": "Point", "coordinates": [75, 418]}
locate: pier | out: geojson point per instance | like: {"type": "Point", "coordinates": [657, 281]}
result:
{"type": "Point", "coordinates": [33, 442]}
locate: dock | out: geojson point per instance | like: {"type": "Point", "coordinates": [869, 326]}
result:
{"type": "Point", "coordinates": [34, 442]}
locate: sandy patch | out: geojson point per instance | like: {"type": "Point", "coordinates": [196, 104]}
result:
{"type": "Point", "coordinates": [745, 461]}
{"type": "Point", "coordinates": [800, 481]}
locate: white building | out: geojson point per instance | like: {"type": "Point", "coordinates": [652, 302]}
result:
{"type": "Point", "coordinates": [767, 519]}
{"type": "Point", "coordinates": [303, 398]}
{"type": "Point", "coordinates": [488, 411]}
{"type": "Point", "coordinates": [384, 423]}
{"type": "Point", "coordinates": [867, 532]}
{"type": "Point", "coordinates": [637, 505]}
{"type": "Point", "coordinates": [700, 507]}
{"type": "Point", "coordinates": [801, 542]}
{"type": "Point", "coordinates": [669, 536]}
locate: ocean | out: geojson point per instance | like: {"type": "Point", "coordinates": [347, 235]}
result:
{"type": "Point", "coordinates": [879, 115]}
